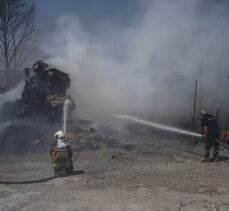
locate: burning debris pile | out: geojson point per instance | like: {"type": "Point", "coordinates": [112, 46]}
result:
{"type": "Point", "coordinates": [28, 123]}
{"type": "Point", "coordinates": [41, 105]}
{"type": "Point", "coordinates": [44, 94]}
{"type": "Point", "coordinates": [85, 134]}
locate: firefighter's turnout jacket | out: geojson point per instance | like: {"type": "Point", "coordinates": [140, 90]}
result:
{"type": "Point", "coordinates": [61, 156]}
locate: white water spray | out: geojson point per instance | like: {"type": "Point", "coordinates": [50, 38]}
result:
{"type": "Point", "coordinates": [67, 103]}
{"type": "Point", "coordinates": [159, 126]}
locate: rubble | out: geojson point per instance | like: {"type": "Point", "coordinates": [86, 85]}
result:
{"type": "Point", "coordinates": [28, 123]}
{"type": "Point", "coordinates": [39, 109]}
{"type": "Point", "coordinates": [86, 135]}
{"type": "Point", "coordinates": [43, 95]}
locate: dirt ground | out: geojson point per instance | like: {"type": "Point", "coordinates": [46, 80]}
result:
{"type": "Point", "coordinates": [140, 177]}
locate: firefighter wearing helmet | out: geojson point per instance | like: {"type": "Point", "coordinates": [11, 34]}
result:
{"type": "Point", "coordinates": [61, 154]}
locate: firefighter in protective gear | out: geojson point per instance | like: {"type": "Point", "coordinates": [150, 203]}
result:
{"type": "Point", "coordinates": [211, 132]}
{"type": "Point", "coordinates": [61, 154]}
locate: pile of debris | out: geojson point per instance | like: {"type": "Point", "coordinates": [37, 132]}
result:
{"type": "Point", "coordinates": [28, 123]}
{"type": "Point", "coordinates": [44, 94]}
{"type": "Point", "coordinates": [86, 135]}
{"type": "Point", "coordinates": [39, 107]}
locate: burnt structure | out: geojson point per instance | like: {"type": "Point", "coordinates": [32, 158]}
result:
{"type": "Point", "coordinates": [30, 121]}
{"type": "Point", "coordinates": [43, 95]}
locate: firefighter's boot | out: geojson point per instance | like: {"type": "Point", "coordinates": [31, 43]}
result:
{"type": "Point", "coordinates": [216, 156]}
{"type": "Point", "coordinates": [206, 157]}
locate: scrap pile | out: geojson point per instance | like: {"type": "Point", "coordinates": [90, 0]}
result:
{"type": "Point", "coordinates": [44, 93]}
{"type": "Point", "coordinates": [86, 135]}
{"type": "Point", "coordinates": [41, 105]}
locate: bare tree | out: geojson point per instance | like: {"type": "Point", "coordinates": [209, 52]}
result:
{"type": "Point", "coordinates": [16, 33]}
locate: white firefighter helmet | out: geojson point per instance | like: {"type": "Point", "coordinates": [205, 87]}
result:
{"type": "Point", "coordinates": [59, 134]}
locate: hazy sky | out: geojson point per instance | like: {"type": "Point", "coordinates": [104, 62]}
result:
{"type": "Point", "coordinates": [89, 11]}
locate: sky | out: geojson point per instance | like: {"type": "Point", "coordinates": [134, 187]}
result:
{"type": "Point", "coordinates": [90, 11]}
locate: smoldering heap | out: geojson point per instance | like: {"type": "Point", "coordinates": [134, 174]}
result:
{"type": "Point", "coordinates": [44, 93]}
{"type": "Point", "coordinates": [39, 107]}
{"type": "Point", "coordinates": [28, 123]}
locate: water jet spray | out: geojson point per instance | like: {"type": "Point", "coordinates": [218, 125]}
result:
{"type": "Point", "coordinates": [67, 103]}
{"type": "Point", "coordinates": [159, 126]}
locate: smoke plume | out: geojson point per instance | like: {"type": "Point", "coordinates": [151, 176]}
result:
{"type": "Point", "coordinates": [12, 94]}
{"type": "Point", "coordinates": [148, 68]}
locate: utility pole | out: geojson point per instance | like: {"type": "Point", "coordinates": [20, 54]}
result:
{"type": "Point", "coordinates": [194, 107]}
{"type": "Point", "coordinates": [201, 86]}
{"type": "Point", "coordinates": [217, 114]}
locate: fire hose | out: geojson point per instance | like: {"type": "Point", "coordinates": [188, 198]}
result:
{"type": "Point", "coordinates": [7, 182]}
{"type": "Point", "coordinates": [11, 182]}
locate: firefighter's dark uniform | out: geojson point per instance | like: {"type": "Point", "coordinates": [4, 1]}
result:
{"type": "Point", "coordinates": [213, 132]}
{"type": "Point", "coordinates": [62, 157]}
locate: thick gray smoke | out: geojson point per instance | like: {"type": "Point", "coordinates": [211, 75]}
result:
{"type": "Point", "coordinates": [149, 68]}
{"type": "Point", "coordinates": [12, 94]}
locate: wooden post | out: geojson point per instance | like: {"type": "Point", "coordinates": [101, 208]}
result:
{"type": "Point", "coordinates": [194, 108]}
{"type": "Point", "coordinates": [201, 86]}
{"type": "Point", "coordinates": [217, 114]}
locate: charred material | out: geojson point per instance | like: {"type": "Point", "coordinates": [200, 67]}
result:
{"type": "Point", "coordinates": [44, 94]}
{"type": "Point", "coordinates": [25, 122]}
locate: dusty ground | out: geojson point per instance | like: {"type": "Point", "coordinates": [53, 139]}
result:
{"type": "Point", "coordinates": [143, 177]}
